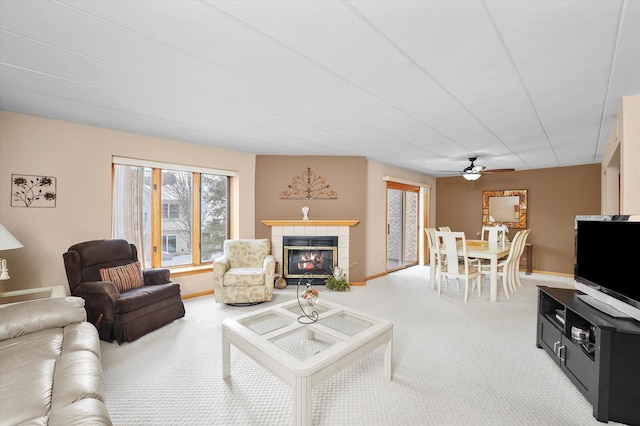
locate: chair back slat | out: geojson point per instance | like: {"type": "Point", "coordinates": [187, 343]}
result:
{"type": "Point", "coordinates": [453, 260]}
{"type": "Point", "coordinates": [494, 234]}
{"type": "Point", "coordinates": [450, 250]}
{"type": "Point", "coordinates": [431, 237]}
{"type": "Point", "coordinates": [515, 244]}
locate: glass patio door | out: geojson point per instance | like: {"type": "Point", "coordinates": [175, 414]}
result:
{"type": "Point", "coordinates": [402, 225]}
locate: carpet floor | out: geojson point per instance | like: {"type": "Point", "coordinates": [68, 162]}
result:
{"type": "Point", "coordinates": [454, 364]}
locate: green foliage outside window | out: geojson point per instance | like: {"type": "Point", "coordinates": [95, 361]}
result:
{"type": "Point", "coordinates": [214, 215]}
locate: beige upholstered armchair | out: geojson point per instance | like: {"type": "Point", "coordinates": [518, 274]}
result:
{"type": "Point", "coordinates": [244, 274]}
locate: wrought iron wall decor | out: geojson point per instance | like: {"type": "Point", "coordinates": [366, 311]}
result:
{"type": "Point", "coordinates": [33, 191]}
{"type": "Point", "coordinates": [308, 186]}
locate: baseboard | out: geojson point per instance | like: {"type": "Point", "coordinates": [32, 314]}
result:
{"type": "Point", "coordinates": [382, 274]}
{"type": "Point", "coordinates": [364, 283]}
{"type": "Point", "coordinates": [192, 295]}
{"type": "Point", "coordinates": [559, 274]}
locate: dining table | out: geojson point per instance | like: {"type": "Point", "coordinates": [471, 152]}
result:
{"type": "Point", "coordinates": [479, 249]}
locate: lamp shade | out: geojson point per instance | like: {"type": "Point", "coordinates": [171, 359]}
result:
{"type": "Point", "coordinates": [471, 176]}
{"type": "Point", "coordinates": [8, 241]}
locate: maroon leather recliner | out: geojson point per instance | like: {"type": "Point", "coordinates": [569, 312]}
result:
{"type": "Point", "coordinates": [124, 316]}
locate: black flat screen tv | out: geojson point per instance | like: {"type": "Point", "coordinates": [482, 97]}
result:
{"type": "Point", "coordinates": [607, 260]}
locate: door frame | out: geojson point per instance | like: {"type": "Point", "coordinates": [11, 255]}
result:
{"type": "Point", "coordinates": [405, 187]}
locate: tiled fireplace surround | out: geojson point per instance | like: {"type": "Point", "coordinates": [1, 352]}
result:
{"type": "Point", "coordinates": [339, 228]}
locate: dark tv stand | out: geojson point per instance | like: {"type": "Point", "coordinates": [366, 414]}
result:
{"type": "Point", "coordinates": [606, 369]}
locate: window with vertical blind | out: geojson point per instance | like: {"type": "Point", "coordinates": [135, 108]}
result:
{"type": "Point", "coordinates": [176, 215]}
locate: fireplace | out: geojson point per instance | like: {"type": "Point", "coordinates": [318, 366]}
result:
{"type": "Point", "coordinates": [309, 258]}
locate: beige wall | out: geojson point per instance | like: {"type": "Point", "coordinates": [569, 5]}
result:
{"type": "Point", "coordinates": [361, 195]}
{"type": "Point", "coordinates": [79, 157]}
{"type": "Point", "coordinates": [630, 156]}
{"type": "Point", "coordinates": [620, 171]}
{"type": "Point", "coordinates": [555, 197]}
{"type": "Point", "coordinates": [345, 175]}
{"type": "Point", "coordinates": [377, 210]}
{"type": "Point", "coordinates": [610, 180]}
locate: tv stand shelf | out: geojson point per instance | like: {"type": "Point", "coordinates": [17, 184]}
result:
{"type": "Point", "coordinates": [606, 368]}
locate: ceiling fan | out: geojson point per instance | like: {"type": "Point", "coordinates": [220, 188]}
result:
{"type": "Point", "coordinates": [473, 172]}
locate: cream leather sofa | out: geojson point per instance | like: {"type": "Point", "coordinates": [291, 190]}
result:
{"type": "Point", "coordinates": [50, 369]}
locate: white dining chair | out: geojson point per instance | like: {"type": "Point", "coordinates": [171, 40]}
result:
{"type": "Point", "coordinates": [444, 229]}
{"type": "Point", "coordinates": [495, 234]}
{"type": "Point", "coordinates": [431, 241]}
{"type": "Point", "coordinates": [516, 264]}
{"type": "Point", "coordinates": [431, 237]}
{"type": "Point", "coordinates": [508, 267]}
{"type": "Point", "coordinates": [455, 265]}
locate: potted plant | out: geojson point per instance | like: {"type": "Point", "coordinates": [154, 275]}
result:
{"type": "Point", "coordinates": [338, 281]}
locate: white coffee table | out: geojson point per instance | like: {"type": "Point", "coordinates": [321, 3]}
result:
{"type": "Point", "coordinates": [304, 355]}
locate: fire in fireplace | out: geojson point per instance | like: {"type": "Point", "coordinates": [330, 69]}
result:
{"type": "Point", "coordinates": [310, 258]}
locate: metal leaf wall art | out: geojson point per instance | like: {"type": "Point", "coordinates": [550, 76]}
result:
{"type": "Point", "coordinates": [33, 191]}
{"type": "Point", "coordinates": [308, 186]}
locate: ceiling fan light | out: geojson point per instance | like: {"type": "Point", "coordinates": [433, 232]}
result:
{"type": "Point", "coordinates": [471, 176]}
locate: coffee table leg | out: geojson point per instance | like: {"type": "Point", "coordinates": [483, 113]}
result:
{"type": "Point", "coordinates": [388, 359]}
{"type": "Point", "coordinates": [302, 401]}
{"type": "Point", "coordinates": [226, 358]}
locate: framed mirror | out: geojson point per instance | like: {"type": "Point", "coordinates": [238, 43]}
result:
{"type": "Point", "coordinates": [508, 207]}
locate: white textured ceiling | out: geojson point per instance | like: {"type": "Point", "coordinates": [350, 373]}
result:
{"type": "Point", "coordinates": [421, 85]}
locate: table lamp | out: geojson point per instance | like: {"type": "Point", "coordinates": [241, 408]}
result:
{"type": "Point", "coordinates": [7, 242]}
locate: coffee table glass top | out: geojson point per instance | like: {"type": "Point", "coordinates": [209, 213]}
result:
{"type": "Point", "coordinates": [266, 323]}
{"type": "Point", "coordinates": [303, 345]}
{"type": "Point", "coordinates": [280, 326]}
{"type": "Point", "coordinates": [346, 323]}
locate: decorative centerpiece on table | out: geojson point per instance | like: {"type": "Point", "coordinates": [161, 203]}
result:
{"type": "Point", "coordinates": [307, 302]}
{"type": "Point", "coordinates": [310, 296]}
{"type": "Point", "coordinates": [338, 281]}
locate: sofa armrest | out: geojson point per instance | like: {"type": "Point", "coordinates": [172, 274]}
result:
{"type": "Point", "coordinates": [269, 266]}
{"type": "Point", "coordinates": [220, 266]}
{"type": "Point", "coordinates": [156, 276]}
{"type": "Point", "coordinates": [28, 317]}
{"type": "Point", "coordinates": [101, 298]}
{"type": "Point", "coordinates": [97, 289]}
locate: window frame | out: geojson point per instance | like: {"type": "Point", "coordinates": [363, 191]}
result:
{"type": "Point", "coordinates": [157, 210]}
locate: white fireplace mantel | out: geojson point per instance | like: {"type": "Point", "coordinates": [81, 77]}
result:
{"type": "Point", "coordinates": [310, 222]}
{"type": "Point", "coordinates": [326, 227]}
